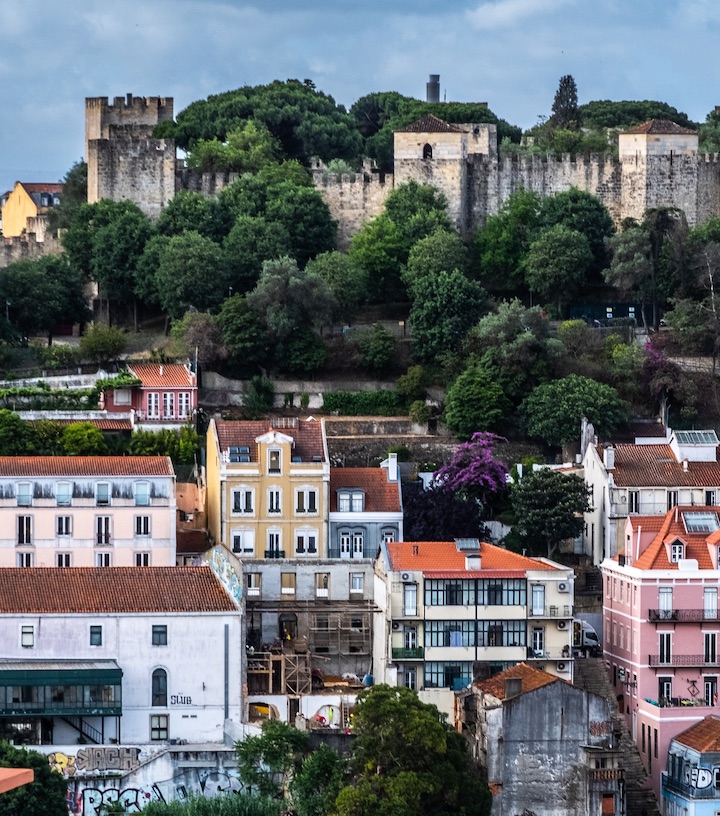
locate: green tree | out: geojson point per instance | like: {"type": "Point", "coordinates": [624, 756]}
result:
{"type": "Point", "coordinates": [188, 211]}
{"type": "Point", "coordinates": [565, 111]}
{"type": "Point", "coordinates": [44, 796]}
{"type": "Point", "coordinates": [83, 439]}
{"type": "Point", "coordinates": [474, 402]}
{"type": "Point", "coordinates": [347, 281]}
{"type": "Point", "coordinates": [74, 195]}
{"type": "Point", "coordinates": [417, 210]}
{"type": "Point", "coordinates": [406, 761]}
{"type": "Point", "coordinates": [632, 271]}
{"type": "Point", "coordinates": [245, 337]}
{"type": "Point", "coordinates": [378, 250]}
{"type": "Point", "coordinates": [305, 216]}
{"type": "Point", "coordinates": [239, 804]}
{"type": "Point", "coordinates": [305, 353]}
{"type": "Point", "coordinates": [260, 396]}
{"type": "Point", "coordinates": [709, 133]}
{"type": "Point", "coordinates": [553, 411]}
{"type": "Point", "coordinates": [102, 344]}
{"type": "Point", "coordinates": [557, 264]}
{"type": "Point", "coordinates": [244, 150]}
{"type": "Point", "coordinates": [549, 507]}
{"type": "Point", "coordinates": [412, 385]}
{"type": "Point", "coordinates": [252, 241]}
{"type": "Point", "coordinates": [441, 251]}
{"type": "Point", "coordinates": [377, 349]}
{"type": "Point", "coordinates": [606, 114]}
{"type": "Point", "coordinates": [148, 263]}
{"type": "Point", "coordinates": [267, 762]}
{"type": "Point", "coordinates": [198, 335]}
{"type": "Point", "coordinates": [315, 786]}
{"type": "Point", "coordinates": [445, 307]}
{"type": "Point", "coordinates": [190, 274]}
{"type": "Point", "coordinates": [17, 437]}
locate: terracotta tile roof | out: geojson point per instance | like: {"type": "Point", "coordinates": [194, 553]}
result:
{"type": "Point", "coordinates": [660, 127]}
{"type": "Point", "coordinates": [704, 736]}
{"type": "Point", "coordinates": [41, 187]}
{"type": "Point", "coordinates": [531, 677]}
{"type": "Point", "coordinates": [443, 556]}
{"type": "Point", "coordinates": [189, 542]}
{"type": "Point", "coordinates": [431, 124]}
{"type": "Point", "coordinates": [308, 436]}
{"type": "Point", "coordinates": [102, 424]}
{"type": "Point", "coordinates": [380, 495]}
{"type": "Point", "coordinates": [163, 375]}
{"type": "Point", "coordinates": [30, 466]}
{"type": "Point", "coordinates": [105, 590]}
{"type": "Point", "coordinates": [655, 555]}
{"type": "Point", "coordinates": [629, 431]}
{"type": "Point", "coordinates": [656, 466]}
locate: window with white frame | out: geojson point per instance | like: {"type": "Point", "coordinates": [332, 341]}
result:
{"type": "Point", "coordinates": [409, 599]}
{"type": "Point", "coordinates": [63, 494]}
{"type": "Point", "coordinates": [159, 727]}
{"type": "Point", "coordinates": [672, 499]}
{"type": "Point", "coordinates": [388, 535]}
{"type": "Point", "coordinates": [27, 636]}
{"type": "Point", "coordinates": [306, 500]}
{"type": "Point", "coordinates": [103, 559]}
{"type": "Point", "coordinates": [63, 526]}
{"type": "Point", "coordinates": [183, 405]}
{"type": "Point", "coordinates": [142, 526]}
{"type": "Point", "coordinates": [306, 542]}
{"type": "Point", "coordinates": [357, 583]}
{"type": "Point", "coordinates": [142, 559]}
{"type": "Point", "coordinates": [274, 542]}
{"type": "Point", "coordinates": [357, 502]}
{"type": "Point", "coordinates": [710, 639]}
{"type": "Point", "coordinates": [142, 494]}
{"type": "Point", "coordinates": [102, 494]}
{"type": "Point", "coordinates": [24, 530]}
{"type": "Point", "coordinates": [153, 405]}
{"type": "Point", "coordinates": [254, 584]}
{"type": "Point", "coordinates": [24, 494]}
{"type": "Point", "coordinates": [351, 501]}
{"type": "Point", "coordinates": [710, 496]}
{"type": "Point", "coordinates": [274, 462]}
{"type": "Point", "coordinates": [168, 405]}
{"type": "Point", "coordinates": [677, 552]}
{"type": "Point", "coordinates": [274, 500]}
{"type": "Point", "coordinates": [410, 677]}
{"type": "Point", "coordinates": [346, 545]}
{"type": "Point", "coordinates": [25, 559]}
{"type": "Point", "coordinates": [63, 559]}
{"type": "Point", "coordinates": [103, 530]}
{"type": "Point", "coordinates": [243, 542]}
{"type": "Point", "coordinates": [633, 501]}
{"type": "Point", "coordinates": [710, 603]}
{"type": "Point", "coordinates": [358, 543]}
{"type": "Point", "coordinates": [665, 648]}
{"type": "Point", "coordinates": [243, 500]}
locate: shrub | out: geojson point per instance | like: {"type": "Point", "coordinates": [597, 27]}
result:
{"type": "Point", "coordinates": [419, 412]}
{"type": "Point", "coordinates": [363, 403]}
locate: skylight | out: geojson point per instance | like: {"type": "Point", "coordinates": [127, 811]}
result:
{"type": "Point", "coordinates": [700, 522]}
{"type": "Point", "coordinates": [696, 437]}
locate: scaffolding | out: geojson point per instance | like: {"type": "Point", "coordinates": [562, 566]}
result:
{"type": "Point", "coordinates": [279, 673]}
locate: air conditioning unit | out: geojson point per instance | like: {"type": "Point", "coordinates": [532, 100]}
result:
{"type": "Point", "coordinates": [405, 576]}
{"type": "Point", "coordinates": [562, 624]}
{"type": "Point", "coordinates": [563, 586]}
{"type": "Point", "coordinates": [562, 666]}
{"type": "Point", "coordinates": [396, 626]}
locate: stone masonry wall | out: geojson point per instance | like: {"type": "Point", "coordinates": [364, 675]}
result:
{"type": "Point", "coordinates": [26, 248]}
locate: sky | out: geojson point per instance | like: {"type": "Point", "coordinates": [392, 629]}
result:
{"type": "Point", "coordinates": [508, 53]}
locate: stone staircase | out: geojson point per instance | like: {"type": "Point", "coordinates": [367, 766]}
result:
{"type": "Point", "coordinates": [591, 675]}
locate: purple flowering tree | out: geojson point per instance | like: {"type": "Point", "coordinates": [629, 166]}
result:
{"type": "Point", "coordinates": [474, 470]}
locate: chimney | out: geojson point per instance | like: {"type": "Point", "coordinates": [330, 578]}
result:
{"type": "Point", "coordinates": [473, 561]}
{"type": "Point", "coordinates": [685, 465]}
{"type": "Point", "coordinates": [391, 466]}
{"type": "Point", "coordinates": [432, 88]}
{"type": "Point", "coordinates": [609, 457]}
{"type": "Point", "coordinates": [513, 687]}
{"type": "Point", "coordinates": [161, 370]}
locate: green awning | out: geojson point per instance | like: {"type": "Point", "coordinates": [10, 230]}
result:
{"type": "Point", "coordinates": [59, 673]}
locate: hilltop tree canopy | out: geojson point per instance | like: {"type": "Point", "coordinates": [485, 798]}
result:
{"type": "Point", "coordinates": [565, 112]}
{"type": "Point", "coordinates": [607, 114]}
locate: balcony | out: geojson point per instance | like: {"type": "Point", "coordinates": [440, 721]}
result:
{"type": "Point", "coordinates": [274, 553]}
{"type": "Point", "coordinates": [408, 654]}
{"type": "Point", "coordinates": [689, 791]}
{"type": "Point", "coordinates": [564, 611]}
{"type": "Point", "coordinates": [682, 615]}
{"type": "Point", "coordinates": [678, 661]}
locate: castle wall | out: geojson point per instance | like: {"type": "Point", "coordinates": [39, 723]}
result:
{"type": "Point", "coordinates": [27, 248]}
{"type": "Point", "coordinates": [142, 111]}
{"type": "Point", "coordinates": [208, 184]}
{"type": "Point", "coordinates": [708, 187]}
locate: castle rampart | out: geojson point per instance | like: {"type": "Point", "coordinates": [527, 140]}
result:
{"type": "Point", "coordinates": [27, 248]}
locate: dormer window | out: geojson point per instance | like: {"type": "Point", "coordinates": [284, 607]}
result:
{"type": "Point", "coordinates": [351, 501]}
{"type": "Point", "coordinates": [274, 461]}
{"type": "Point", "coordinates": [677, 552]}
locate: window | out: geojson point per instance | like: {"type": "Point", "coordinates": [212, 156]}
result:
{"type": "Point", "coordinates": [665, 601]}
{"type": "Point", "coordinates": [710, 596]}
{"type": "Point", "coordinates": [538, 641]}
{"type": "Point", "coordinates": [357, 502]}
{"type": "Point", "coordinates": [410, 637]}
{"type": "Point", "coordinates": [183, 405]}
{"type": "Point", "coordinates": [63, 526]}
{"type": "Point", "coordinates": [102, 494]}
{"type": "Point", "coordinates": [121, 396]}
{"type": "Point", "coordinates": [159, 635]}
{"type": "Point", "coordinates": [63, 494]}
{"type": "Point", "coordinates": [710, 684]}
{"type": "Point", "coordinates": [243, 500]}
{"type": "Point", "coordinates": [24, 559]}
{"type": "Point", "coordinates": [24, 494]}
{"type": "Point", "coordinates": [103, 559]}
{"type": "Point", "coordinates": [357, 544]}
{"type": "Point", "coordinates": [677, 552]}
{"type": "Point", "coordinates": [672, 499]}
{"type": "Point", "coordinates": [159, 687]}
{"type": "Point", "coordinates": [345, 545]}
{"type": "Point", "coordinates": [351, 501]}
{"type": "Point", "coordinates": [710, 498]}
{"type": "Point", "coordinates": [24, 529]}
{"type": "Point", "coordinates": [306, 500]}
{"type": "Point", "coordinates": [102, 530]}
{"type": "Point", "coordinates": [243, 542]}
{"type": "Point", "coordinates": [306, 542]}
{"type": "Point", "coordinates": [427, 151]}
{"type": "Point", "coordinates": [63, 559]}
{"type": "Point", "coordinates": [96, 635]}
{"type": "Point", "coordinates": [254, 584]}
{"type": "Point", "coordinates": [274, 545]}
{"type": "Point", "coordinates": [142, 526]}
{"type": "Point", "coordinates": [664, 689]}
{"type": "Point", "coordinates": [159, 727]}
{"type": "Point", "coordinates": [357, 583]}
{"type": "Point", "coordinates": [274, 461]}
{"type": "Point", "coordinates": [633, 501]}
{"type": "Point", "coordinates": [710, 639]}
{"type": "Point", "coordinates": [665, 647]}
{"type": "Point", "coordinates": [142, 494]}
{"type": "Point", "coordinates": [538, 599]}
{"type": "Point", "coordinates": [410, 678]}
{"type": "Point", "coordinates": [388, 536]}
{"type": "Point", "coordinates": [168, 405]}
{"type": "Point", "coordinates": [410, 599]}
{"type": "Point", "coordinates": [322, 585]}
{"type": "Point", "coordinates": [274, 500]}
{"type": "Point", "coordinates": [142, 559]}
{"type": "Point", "coordinates": [287, 583]}
{"type": "Point", "coordinates": [27, 636]}
{"type": "Point", "coordinates": [153, 406]}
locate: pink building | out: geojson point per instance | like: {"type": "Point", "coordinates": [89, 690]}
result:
{"type": "Point", "coordinates": [661, 623]}
{"type": "Point", "coordinates": [165, 397]}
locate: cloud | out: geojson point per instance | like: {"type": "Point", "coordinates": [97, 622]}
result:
{"type": "Point", "coordinates": [505, 13]}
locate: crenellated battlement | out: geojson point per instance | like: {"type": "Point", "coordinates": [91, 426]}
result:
{"type": "Point", "coordinates": [27, 247]}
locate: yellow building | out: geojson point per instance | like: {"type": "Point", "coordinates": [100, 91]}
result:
{"type": "Point", "coordinates": [28, 201]}
{"type": "Point", "coordinates": [268, 487]}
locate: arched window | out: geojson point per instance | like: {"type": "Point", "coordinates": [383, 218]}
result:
{"type": "Point", "coordinates": [159, 687]}
{"type": "Point", "coordinates": [427, 152]}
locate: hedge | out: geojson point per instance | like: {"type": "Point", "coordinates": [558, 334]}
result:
{"type": "Point", "coordinates": [363, 403]}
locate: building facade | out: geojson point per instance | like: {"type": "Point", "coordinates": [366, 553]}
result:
{"type": "Point", "coordinates": [25, 207]}
{"type": "Point", "coordinates": [691, 783]}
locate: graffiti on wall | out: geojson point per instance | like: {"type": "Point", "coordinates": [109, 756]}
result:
{"type": "Point", "coordinates": [226, 572]}
{"type": "Point", "coordinates": [97, 758]}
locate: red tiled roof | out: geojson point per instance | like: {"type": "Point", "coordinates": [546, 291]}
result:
{"type": "Point", "coordinates": [162, 375]}
{"type": "Point", "coordinates": [308, 436]}
{"type": "Point", "coordinates": [105, 590]}
{"type": "Point", "coordinates": [656, 466]}
{"type": "Point", "coordinates": [431, 124]}
{"type": "Point", "coordinates": [86, 466]}
{"type": "Point", "coordinates": [443, 556]}
{"type": "Point", "coordinates": [655, 555]}
{"type": "Point", "coordinates": [101, 424]}
{"type": "Point", "coordinates": [704, 736]}
{"type": "Point", "coordinates": [191, 541]}
{"type": "Point", "coordinates": [531, 677]}
{"type": "Point", "coordinates": [41, 187]}
{"type": "Point", "coordinates": [380, 495]}
{"type": "Point", "coordinates": [661, 127]}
